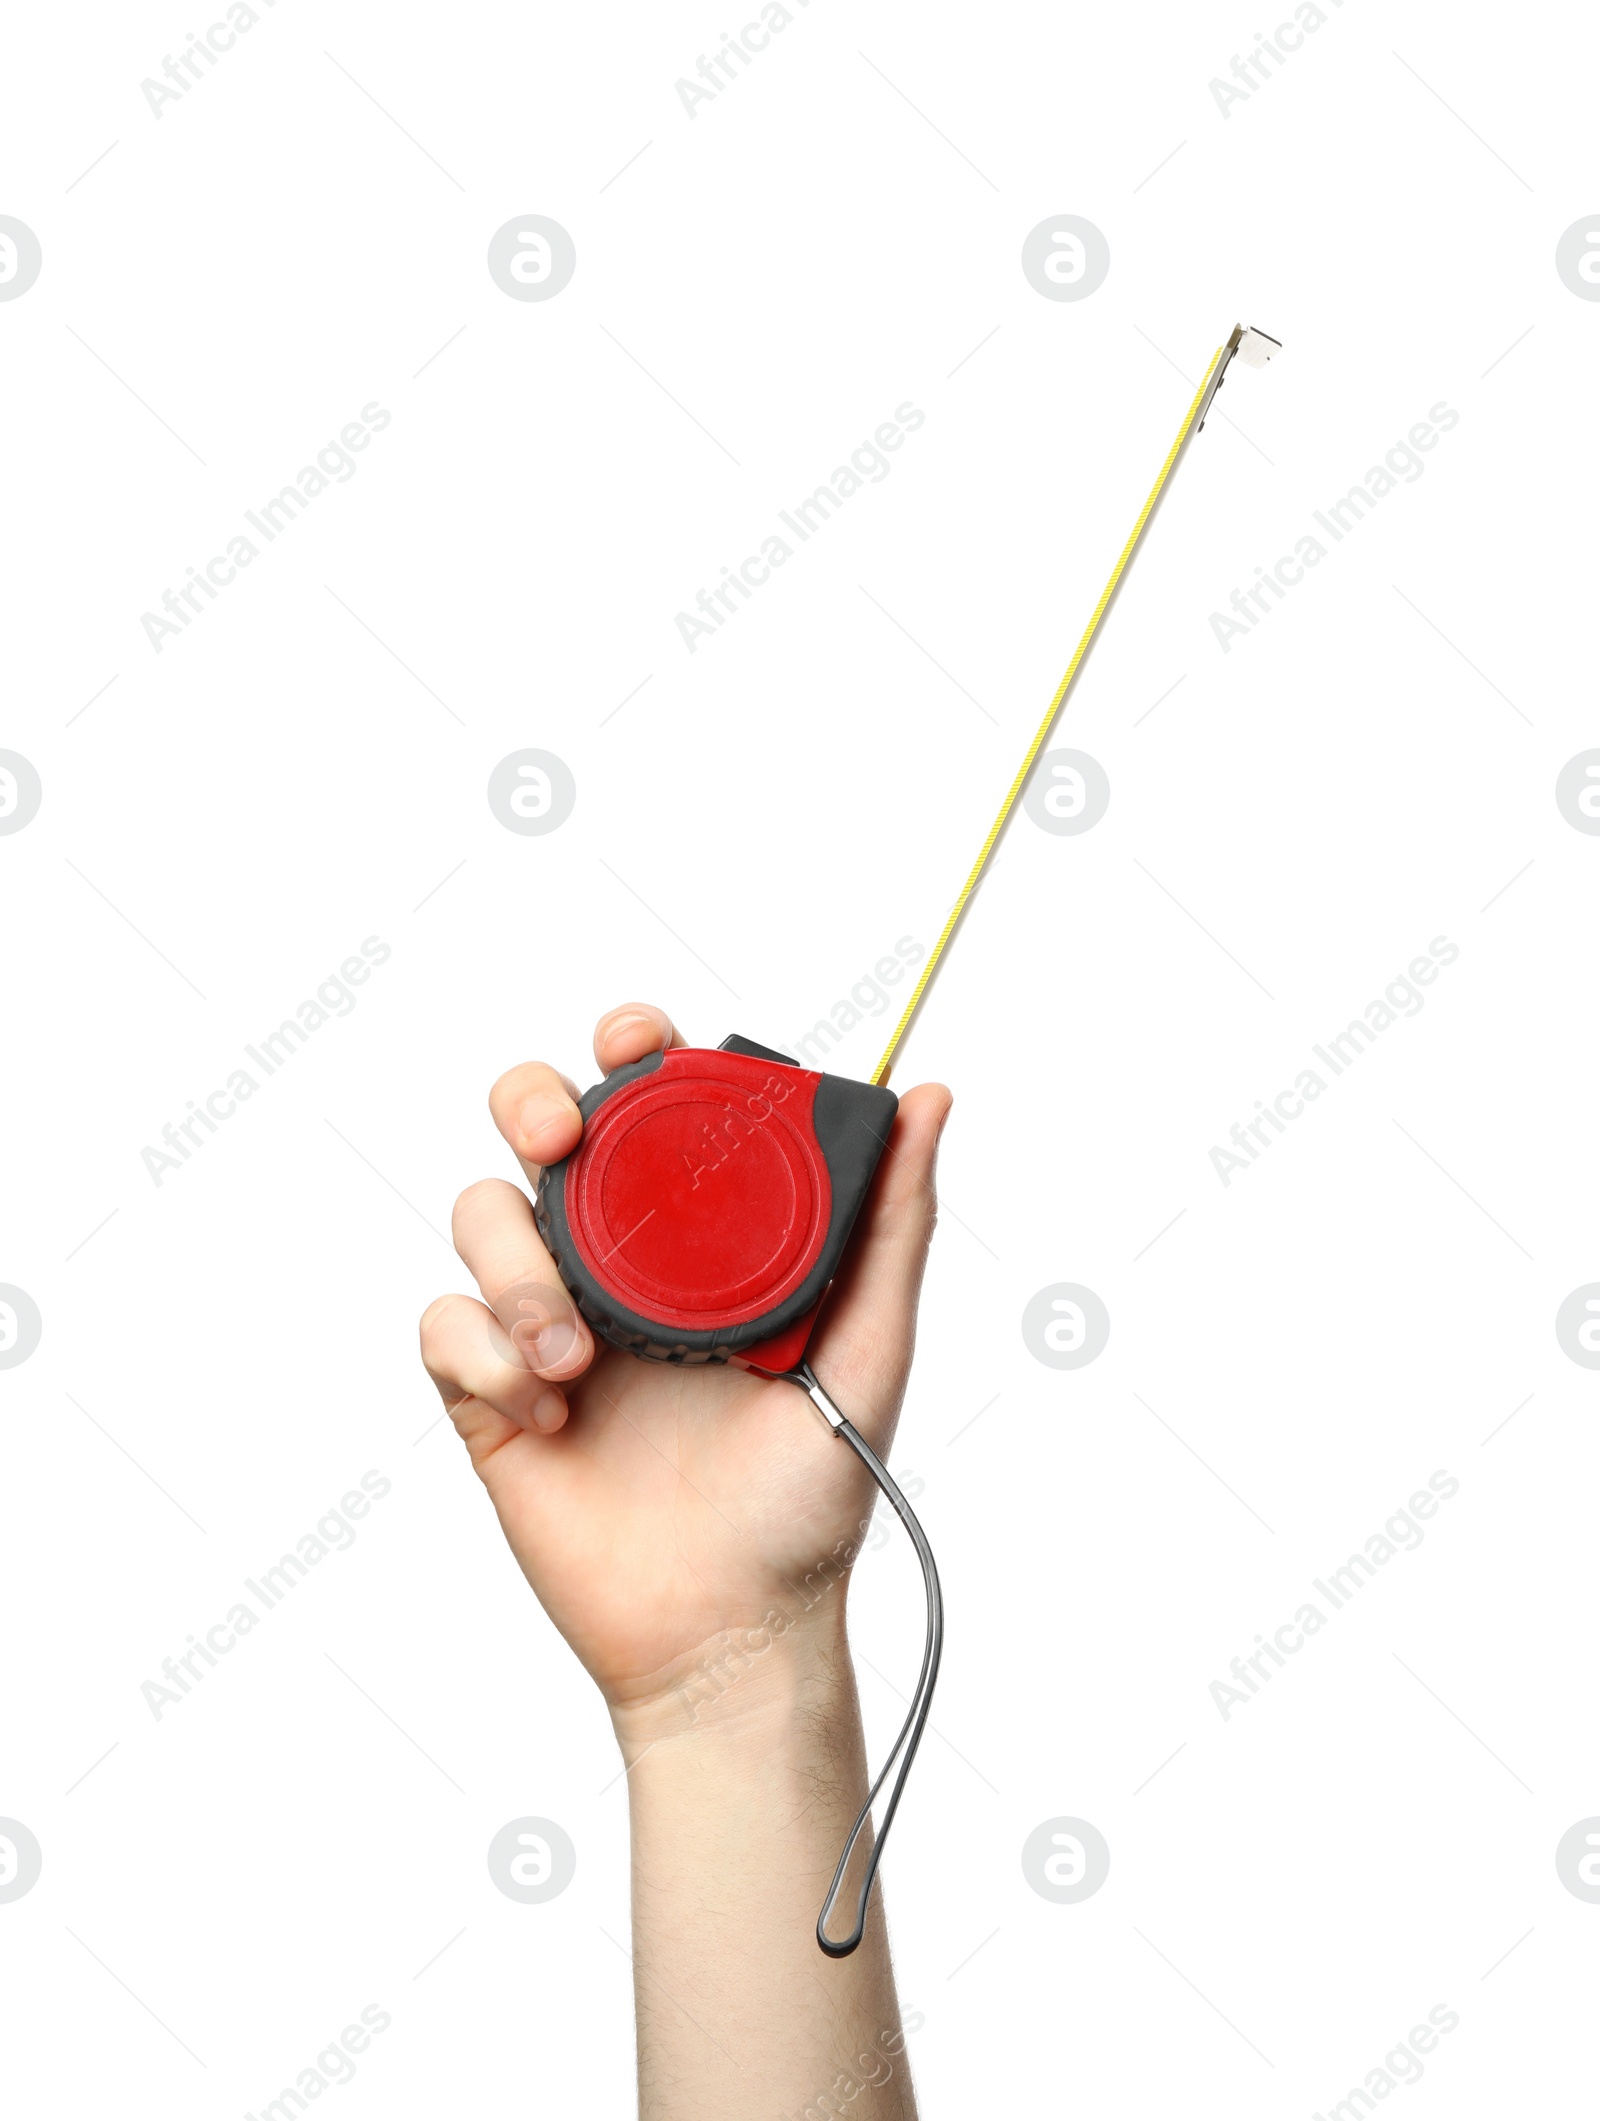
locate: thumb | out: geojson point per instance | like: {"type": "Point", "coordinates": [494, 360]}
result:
{"type": "Point", "coordinates": [863, 1345]}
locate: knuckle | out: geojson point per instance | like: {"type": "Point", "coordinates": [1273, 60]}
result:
{"type": "Point", "coordinates": [509, 1089]}
{"type": "Point", "coordinates": [435, 1318]}
{"type": "Point", "coordinates": [473, 1199]}
{"type": "Point", "coordinates": [504, 1087]}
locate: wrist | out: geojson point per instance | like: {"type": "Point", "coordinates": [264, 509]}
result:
{"type": "Point", "coordinates": [752, 1687]}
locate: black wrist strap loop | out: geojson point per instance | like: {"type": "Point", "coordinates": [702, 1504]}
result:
{"type": "Point", "coordinates": [905, 1746]}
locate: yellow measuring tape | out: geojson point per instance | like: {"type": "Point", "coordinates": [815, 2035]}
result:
{"type": "Point", "coordinates": [881, 1073]}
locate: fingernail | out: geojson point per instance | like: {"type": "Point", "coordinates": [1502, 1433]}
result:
{"type": "Point", "coordinates": [568, 1349]}
{"type": "Point", "coordinates": [538, 1112]}
{"type": "Point", "coordinates": [549, 1411]}
{"type": "Point", "coordinates": [545, 1331]}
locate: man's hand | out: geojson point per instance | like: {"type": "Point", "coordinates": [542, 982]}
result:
{"type": "Point", "coordinates": [690, 1532]}
{"type": "Point", "coordinates": [657, 1509]}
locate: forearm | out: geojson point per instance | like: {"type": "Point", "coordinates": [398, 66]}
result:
{"type": "Point", "coordinates": [743, 1789]}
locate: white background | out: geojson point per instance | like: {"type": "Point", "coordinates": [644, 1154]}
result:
{"type": "Point", "coordinates": [305, 766]}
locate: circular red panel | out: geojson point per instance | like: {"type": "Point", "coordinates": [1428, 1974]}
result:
{"type": "Point", "coordinates": [697, 1200]}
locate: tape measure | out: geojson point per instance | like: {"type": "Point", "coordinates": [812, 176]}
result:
{"type": "Point", "coordinates": [707, 1206]}
{"type": "Point", "coordinates": [710, 1200]}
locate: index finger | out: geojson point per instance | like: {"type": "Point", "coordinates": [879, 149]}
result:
{"type": "Point", "coordinates": [536, 1109]}
{"type": "Point", "coordinates": [632, 1030]}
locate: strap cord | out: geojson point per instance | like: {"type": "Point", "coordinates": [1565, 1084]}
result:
{"type": "Point", "coordinates": [905, 1746]}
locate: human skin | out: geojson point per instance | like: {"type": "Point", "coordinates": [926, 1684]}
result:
{"type": "Point", "coordinates": [689, 1531]}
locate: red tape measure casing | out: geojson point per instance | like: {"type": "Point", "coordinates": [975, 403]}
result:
{"type": "Point", "coordinates": [708, 1205]}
